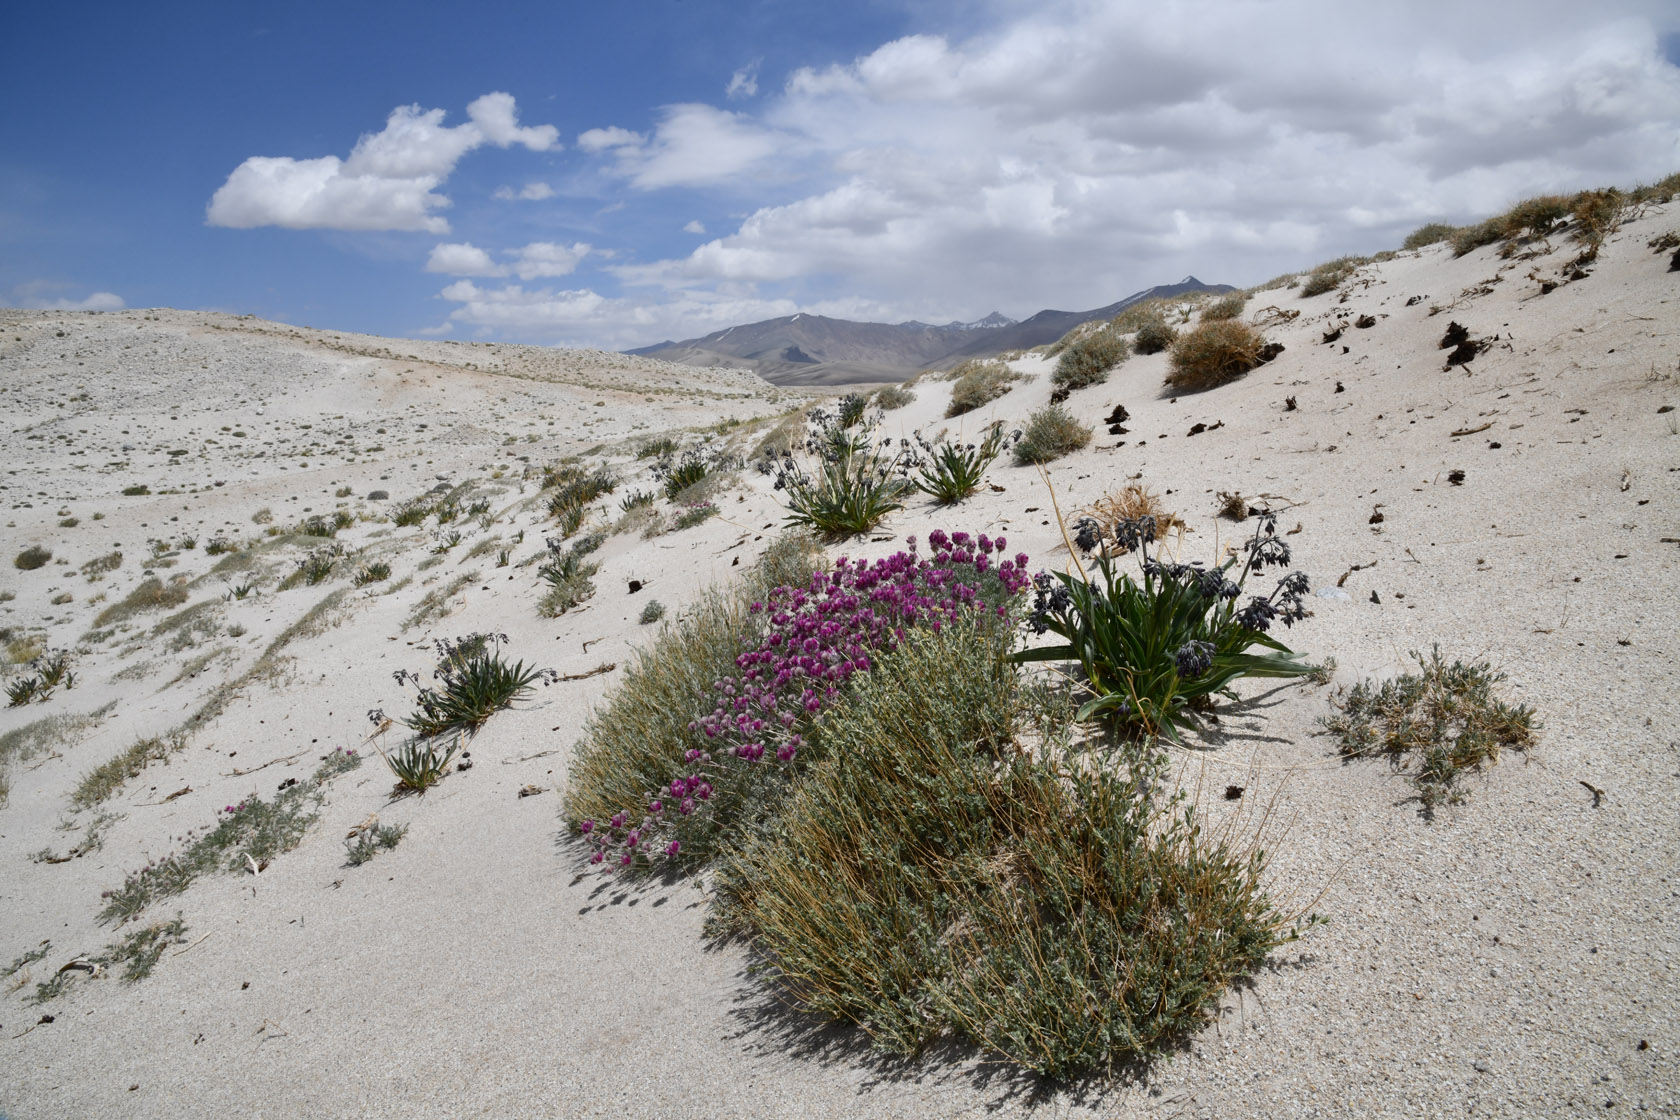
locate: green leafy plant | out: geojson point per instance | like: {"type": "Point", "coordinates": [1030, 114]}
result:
{"type": "Point", "coordinates": [373, 572]}
{"type": "Point", "coordinates": [1150, 647]}
{"type": "Point", "coordinates": [568, 573]}
{"type": "Point", "coordinates": [314, 568]}
{"type": "Point", "coordinates": [636, 499]}
{"type": "Point", "coordinates": [856, 483]}
{"type": "Point", "coordinates": [950, 472]}
{"type": "Point", "coordinates": [1436, 723]}
{"type": "Point", "coordinates": [850, 409]}
{"type": "Point", "coordinates": [473, 683]}
{"type": "Point", "coordinates": [1050, 433]}
{"type": "Point", "coordinates": [140, 951]}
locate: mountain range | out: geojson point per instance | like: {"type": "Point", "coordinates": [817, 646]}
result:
{"type": "Point", "coordinates": [807, 349]}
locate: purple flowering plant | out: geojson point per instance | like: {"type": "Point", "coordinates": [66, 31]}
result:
{"type": "Point", "coordinates": [766, 717]}
{"type": "Point", "coordinates": [1174, 637]}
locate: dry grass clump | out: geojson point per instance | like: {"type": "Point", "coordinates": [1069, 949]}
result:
{"type": "Point", "coordinates": [1214, 354]}
{"type": "Point", "coordinates": [1129, 503]}
{"type": "Point", "coordinates": [979, 382]}
{"type": "Point", "coordinates": [1329, 275]}
{"type": "Point", "coordinates": [102, 781]}
{"type": "Point", "coordinates": [928, 878]}
{"type": "Point", "coordinates": [1225, 307]}
{"type": "Point", "coordinates": [1088, 360]}
{"type": "Point", "coordinates": [150, 594]}
{"type": "Point", "coordinates": [788, 433]}
{"type": "Point", "coordinates": [1050, 433]}
{"type": "Point", "coordinates": [1431, 234]}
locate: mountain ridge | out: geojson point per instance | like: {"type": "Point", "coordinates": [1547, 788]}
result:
{"type": "Point", "coordinates": [807, 349]}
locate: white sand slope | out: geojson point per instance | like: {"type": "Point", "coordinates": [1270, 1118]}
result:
{"type": "Point", "coordinates": [1514, 956]}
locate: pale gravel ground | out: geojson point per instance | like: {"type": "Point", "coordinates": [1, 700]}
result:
{"type": "Point", "coordinates": [1505, 959]}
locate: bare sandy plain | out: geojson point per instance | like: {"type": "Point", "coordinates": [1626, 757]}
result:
{"type": "Point", "coordinates": [1515, 955]}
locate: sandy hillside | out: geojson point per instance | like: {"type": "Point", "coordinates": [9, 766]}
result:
{"type": "Point", "coordinates": [1514, 955]}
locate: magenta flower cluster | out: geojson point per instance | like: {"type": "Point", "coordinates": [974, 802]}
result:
{"type": "Point", "coordinates": [814, 640]}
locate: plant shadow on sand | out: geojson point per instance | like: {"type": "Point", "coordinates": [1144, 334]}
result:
{"type": "Point", "coordinates": [770, 1024]}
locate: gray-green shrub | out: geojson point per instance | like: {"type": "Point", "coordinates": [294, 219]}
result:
{"type": "Point", "coordinates": [1050, 433]}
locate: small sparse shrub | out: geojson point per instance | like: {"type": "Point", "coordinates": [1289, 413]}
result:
{"type": "Point", "coordinates": [318, 526]}
{"type": "Point", "coordinates": [103, 781]}
{"type": "Point", "coordinates": [893, 396]}
{"type": "Point", "coordinates": [1329, 275]}
{"type": "Point", "coordinates": [139, 952]}
{"type": "Point", "coordinates": [263, 516]}
{"type": "Point", "coordinates": [694, 514]}
{"type": "Point", "coordinates": [652, 612]}
{"type": "Point", "coordinates": [136, 491]}
{"type": "Point", "coordinates": [444, 541]}
{"type": "Point", "coordinates": [411, 513]}
{"type": "Point", "coordinates": [1154, 336]}
{"type": "Point", "coordinates": [951, 472]}
{"type": "Point", "coordinates": [636, 499]}
{"type": "Point", "coordinates": [217, 546]}
{"type": "Point", "coordinates": [1088, 360]}
{"type": "Point", "coordinates": [1050, 433]}
{"type": "Point", "coordinates": [1214, 354]}
{"type": "Point", "coordinates": [1133, 502]}
{"type": "Point", "coordinates": [366, 843]}
{"type": "Point", "coordinates": [246, 836]}
{"type": "Point", "coordinates": [31, 558]}
{"type": "Point", "coordinates": [373, 572]}
{"type": "Point", "coordinates": [240, 591]}
{"type": "Point", "coordinates": [1150, 647]}
{"type": "Point", "coordinates": [1431, 234]}
{"type": "Point", "coordinates": [1437, 723]}
{"type": "Point", "coordinates": [1597, 214]}
{"type": "Point", "coordinates": [343, 492]}
{"type": "Point", "coordinates": [1225, 307]}
{"type": "Point", "coordinates": [977, 383]}
{"type": "Point", "coordinates": [69, 522]}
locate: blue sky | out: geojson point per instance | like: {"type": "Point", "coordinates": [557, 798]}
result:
{"type": "Point", "coordinates": [617, 174]}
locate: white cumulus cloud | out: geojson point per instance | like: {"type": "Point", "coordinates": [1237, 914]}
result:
{"type": "Point", "coordinates": [693, 145]}
{"type": "Point", "coordinates": [530, 192]}
{"type": "Point", "coordinates": [1074, 154]}
{"type": "Point", "coordinates": [538, 259]}
{"type": "Point", "coordinates": [743, 83]}
{"type": "Point", "coordinates": [695, 226]}
{"type": "Point", "coordinates": [462, 259]}
{"type": "Point", "coordinates": [388, 182]}
{"type": "Point", "coordinates": [98, 301]}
